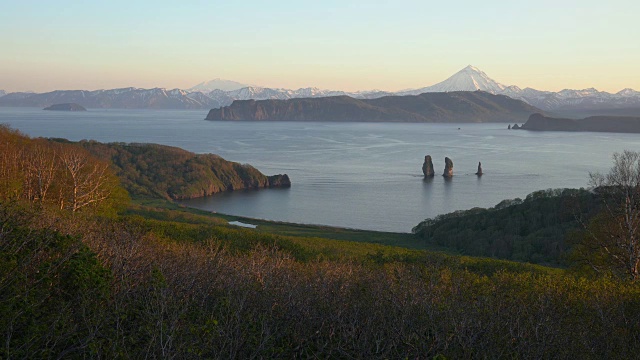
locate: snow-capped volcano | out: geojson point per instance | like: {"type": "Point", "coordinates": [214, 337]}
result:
{"type": "Point", "coordinates": [568, 100]}
{"type": "Point", "coordinates": [467, 79]}
{"type": "Point", "coordinates": [217, 84]}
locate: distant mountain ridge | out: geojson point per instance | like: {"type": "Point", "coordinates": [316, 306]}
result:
{"type": "Point", "coordinates": [217, 84]}
{"type": "Point", "coordinates": [160, 98]}
{"type": "Point", "coordinates": [218, 93]}
{"type": "Point", "coordinates": [620, 124]}
{"type": "Point", "coordinates": [459, 106]}
{"type": "Point", "coordinates": [125, 98]}
{"type": "Point", "coordinates": [567, 101]}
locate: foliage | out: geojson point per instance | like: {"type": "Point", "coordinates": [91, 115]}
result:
{"type": "Point", "coordinates": [158, 171]}
{"type": "Point", "coordinates": [56, 175]}
{"type": "Point", "coordinates": [162, 283]}
{"type": "Point", "coordinates": [532, 230]}
{"type": "Point", "coordinates": [145, 294]}
{"type": "Point", "coordinates": [52, 289]}
{"type": "Point", "coordinates": [610, 242]}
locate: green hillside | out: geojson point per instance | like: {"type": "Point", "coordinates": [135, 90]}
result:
{"type": "Point", "coordinates": [530, 230]}
{"type": "Point", "coordinates": [151, 280]}
{"type": "Point", "coordinates": [151, 170]}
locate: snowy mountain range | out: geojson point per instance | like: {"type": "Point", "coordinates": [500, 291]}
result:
{"type": "Point", "coordinates": [126, 98]}
{"type": "Point", "coordinates": [160, 98]}
{"type": "Point", "coordinates": [217, 84]}
{"type": "Point", "coordinates": [567, 101]}
{"type": "Point", "coordinates": [218, 92]}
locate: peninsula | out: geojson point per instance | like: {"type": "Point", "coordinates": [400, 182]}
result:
{"type": "Point", "coordinates": [445, 107]}
{"type": "Point", "coordinates": [178, 174]}
{"type": "Point", "coordinates": [619, 124]}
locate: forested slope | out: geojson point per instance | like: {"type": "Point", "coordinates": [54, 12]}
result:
{"type": "Point", "coordinates": [93, 281]}
{"type": "Point", "coordinates": [136, 288]}
{"type": "Point", "coordinates": [151, 170]}
{"type": "Point", "coordinates": [533, 230]}
{"type": "Point", "coordinates": [455, 106]}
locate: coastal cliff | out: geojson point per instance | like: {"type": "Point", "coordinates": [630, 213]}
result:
{"type": "Point", "coordinates": [621, 124]}
{"type": "Point", "coordinates": [151, 170]}
{"type": "Point", "coordinates": [457, 106]}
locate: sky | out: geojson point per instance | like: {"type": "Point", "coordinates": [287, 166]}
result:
{"type": "Point", "coordinates": [339, 45]}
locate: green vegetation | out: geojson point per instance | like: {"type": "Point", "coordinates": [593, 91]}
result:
{"type": "Point", "coordinates": [161, 210]}
{"type": "Point", "coordinates": [594, 232]}
{"type": "Point", "coordinates": [136, 287]}
{"type": "Point", "coordinates": [610, 244]}
{"type": "Point", "coordinates": [531, 230]}
{"type": "Point", "coordinates": [158, 171]}
{"type": "Point", "coordinates": [56, 175]}
{"type": "Point", "coordinates": [158, 281]}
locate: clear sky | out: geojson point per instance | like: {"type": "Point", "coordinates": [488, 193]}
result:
{"type": "Point", "coordinates": [341, 45]}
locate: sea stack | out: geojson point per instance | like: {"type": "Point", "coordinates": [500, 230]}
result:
{"type": "Point", "coordinates": [427, 167]}
{"type": "Point", "coordinates": [280, 181]}
{"type": "Point", "coordinates": [479, 173]}
{"type": "Point", "coordinates": [448, 168]}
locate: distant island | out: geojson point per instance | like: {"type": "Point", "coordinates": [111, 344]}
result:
{"type": "Point", "coordinates": [66, 107]}
{"type": "Point", "coordinates": [455, 106]}
{"type": "Point", "coordinates": [620, 124]}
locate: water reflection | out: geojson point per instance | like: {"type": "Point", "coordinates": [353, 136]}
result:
{"type": "Point", "coordinates": [448, 188]}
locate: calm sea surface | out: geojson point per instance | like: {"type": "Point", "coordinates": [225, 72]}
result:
{"type": "Point", "coordinates": [357, 175]}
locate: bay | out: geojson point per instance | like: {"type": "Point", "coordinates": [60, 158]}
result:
{"type": "Point", "coordinates": [356, 175]}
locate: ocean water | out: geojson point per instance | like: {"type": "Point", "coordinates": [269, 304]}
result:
{"type": "Point", "coordinates": [356, 175]}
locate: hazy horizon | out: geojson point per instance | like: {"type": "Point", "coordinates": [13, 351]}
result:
{"type": "Point", "coordinates": [334, 45]}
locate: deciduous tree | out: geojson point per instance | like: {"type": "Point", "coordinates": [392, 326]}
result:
{"type": "Point", "coordinates": [611, 239]}
{"type": "Point", "coordinates": [39, 168]}
{"type": "Point", "coordinates": [88, 179]}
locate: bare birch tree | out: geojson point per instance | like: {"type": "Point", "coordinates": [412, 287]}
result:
{"type": "Point", "coordinates": [615, 238]}
{"type": "Point", "coordinates": [39, 167]}
{"type": "Point", "coordinates": [10, 158]}
{"type": "Point", "coordinates": [88, 179]}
